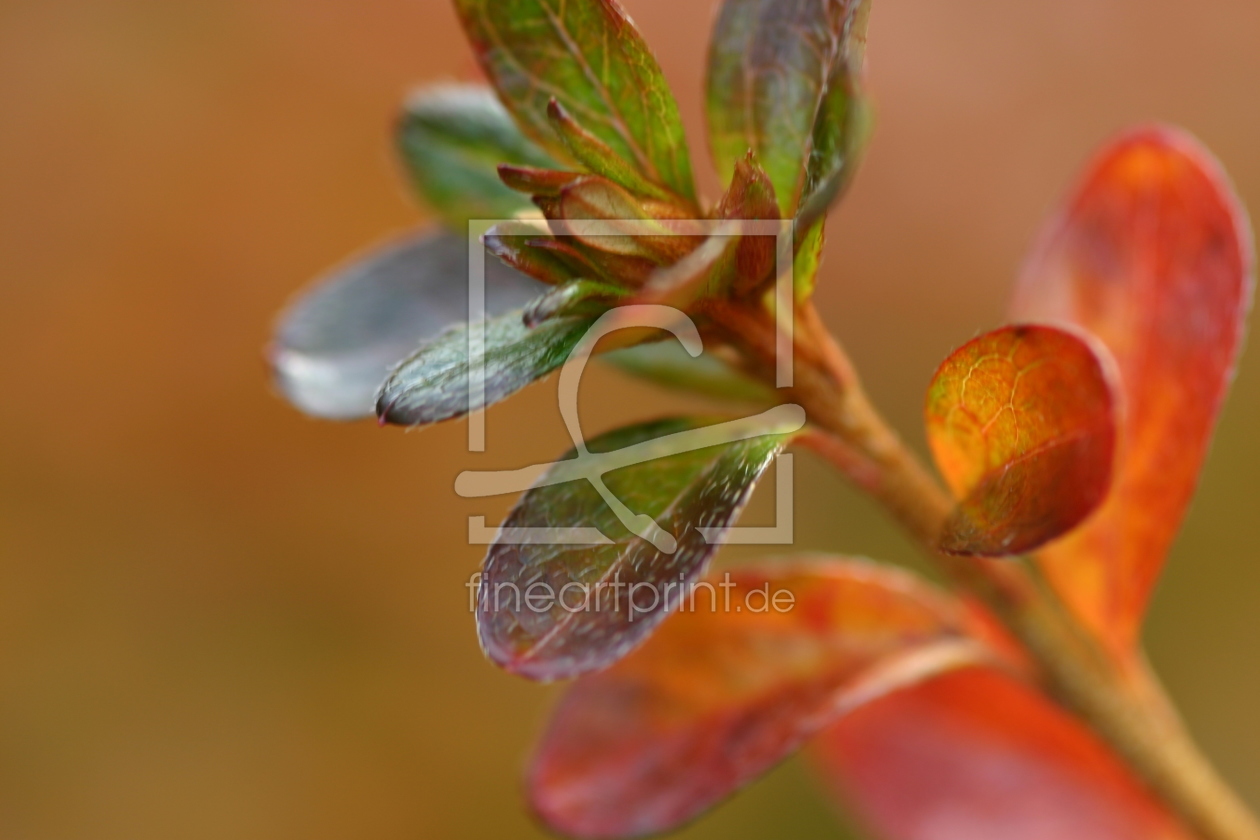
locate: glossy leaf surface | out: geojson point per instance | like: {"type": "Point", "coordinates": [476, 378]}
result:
{"type": "Point", "coordinates": [588, 56]}
{"type": "Point", "coordinates": [432, 384]}
{"type": "Point", "coordinates": [338, 341]}
{"type": "Point", "coordinates": [977, 755]}
{"type": "Point", "coordinates": [783, 82]}
{"type": "Point", "coordinates": [619, 585]}
{"type": "Point", "coordinates": [1022, 422]}
{"type": "Point", "coordinates": [452, 138]}
{"type": "Point", "coordinates": [1153, 255]}
{"type": "Point", "coordinates": [731, 685]}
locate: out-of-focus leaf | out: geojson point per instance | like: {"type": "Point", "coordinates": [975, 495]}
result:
{"type": "Point", "coordinates": [1022, 423]}
{"type": "Point", "coordinates": [625, 586]}
{"type": "Point", "coordinates": [978, 755]}
{"type": "Point", "coordinates": [336, 343]}
{"type": "Point", "coordinates": [431, 385]}
{"type": "Point", "coordinates": [1153, 255]}
{"type": "Point", "coordinates": [588, 56]}
{"type": "Point", "coordinates": [731, 685]}
{"type": "Point", "coordinates": [452, 138]}
{"type": "Point", "coordinates": [783, 81]}
{"type": "Point", "coordinates": [598, 158]}
{"type": "Point", "coordinates": [667, 364]}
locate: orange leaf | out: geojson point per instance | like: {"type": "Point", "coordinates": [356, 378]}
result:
{"type": "Point", "coordinates": [717, 697]}
{"type": "Point", "coordinates": [1153, 256]}
{"type": "Point", "coordinates": [977, 755]}
{"type": "Point", "coordinates": [1022, 423]}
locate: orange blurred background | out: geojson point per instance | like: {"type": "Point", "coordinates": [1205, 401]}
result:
{"type": "Point", "coordinates": [221, 619]}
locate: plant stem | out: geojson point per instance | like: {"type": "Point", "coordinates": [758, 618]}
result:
{"type": "Point", "coordinates": [1122, 702]}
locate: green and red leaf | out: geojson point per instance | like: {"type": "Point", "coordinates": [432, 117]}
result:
{"type": "Point", "coordinates": [671, 498]}
{"type": "Point", "coordinates": [1153, 255]}
{"type": "Point", "coordinates": [750, 668]}
{"type": "Point", "coordinates": [432, 384]}
{"type": "Point", "coordinates": [1022, 422]}
{"type": "Point", "coordinates": [588, 56]}
{"type": "Point", "coordinates": [783, 82]}
{"type": "Point", "coordinates": [978, 755]}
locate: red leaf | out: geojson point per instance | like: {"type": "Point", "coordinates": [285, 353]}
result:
{"type": "Point", "coordinates": [977, 755]}
{"type": "Point", "coordinates": [716, 698]}
{"type": "Point", "coordinates": [1153, 256]}
{"type": "Point", "coordinates": [1022, 423]}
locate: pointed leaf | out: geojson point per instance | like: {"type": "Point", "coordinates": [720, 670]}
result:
{"type": "Point", "coordinates": [336, 343]}
{"type": "Point", "coordinates": [433, 383]}
{"type": "Point", "coordinates": [783, 81]}
{"type": "Point", "coordinates": [533, 181]}
{"type": "Point", "coordinates": [1022, 423]}
{"type": "Point", "coordinates": [452, 138]}
{"type": "Point", "coordinates": [1153, 255]}
{"type": "Point", "coordinates": [518, 245]}
{"type": "Point", "coordinates": [580, 298]}
{"type": "Point", "coordinates": [653, 545]}
{"type": "Point", "coordinates": [597, 157]}
{"type": "Point", "coordinates": [977, 755]}
{"type": "Point", "coordinates": [751, 197]}
{"type": "Point", "coordinates": [754, 663]}
{"type": "Point", "coordinates": [588, 56]}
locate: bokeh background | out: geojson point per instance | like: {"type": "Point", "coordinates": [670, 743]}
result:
{"type": "Point", "coordinates": [221, 619]}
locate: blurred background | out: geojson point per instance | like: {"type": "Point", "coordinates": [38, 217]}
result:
{"type": "Point", "coordinates": [221, 619]}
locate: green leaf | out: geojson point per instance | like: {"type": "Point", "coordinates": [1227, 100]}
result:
{"type": "Point", "coordinates": [581, 298]}
{"type": "Point", "coordinates": [587, 55]}
{"type": "Point", "coordinates": [669, 365]}
{"type": "Point", "coordinates": [809, 251]}
{"type": "Point", "coordinates": [433, 384]}
{"type": "Point", "coordinates": [452, 137]}
{"type": "Point", "coordinates": [783, 81]}
{"type": "Point", "coordinates": [597, 157]}
{"type": "Point", "coordinates": [336, 343]}
{"type": "Point", "coordinates": [665, 491]}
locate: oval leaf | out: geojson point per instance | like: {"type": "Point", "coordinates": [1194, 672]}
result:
{"type": "Point", "coordinates": [977, 755]}
{"type": "Point", "coordinates": [1022, 423]}
{"type": "Point", "coordinates": [432, 385]}
{"type": "Point", "coordinates": [1152, 254]}
{"type": "Point", "coordinates": [452, 138]}
{"type": "Point", "coordinates": [655, 517]}
{"type": "Point", "coordinates": [783, 82]}
{"type": "Point", "coordinates": [755, 662]}
{"type": "Point", "coordinates": [336, 343]}
{"type": "Point", "coordinates": [588, 56]}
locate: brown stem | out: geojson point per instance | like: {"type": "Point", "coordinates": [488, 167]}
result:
{"type": "Point", "coordinates": [1121, 702]}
